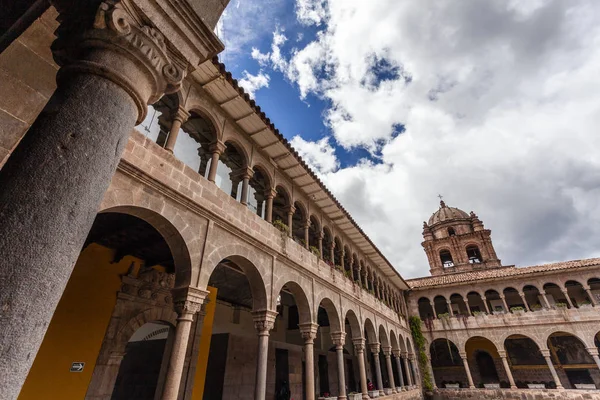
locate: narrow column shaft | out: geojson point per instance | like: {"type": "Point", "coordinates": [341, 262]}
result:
{"type": "Point", "coordinates": [244, 197]}
{"type": "Point", "coordinates": [546, 354]}
{"type": "Point", "coordinates": [399, 368]}
{"type": "Point", "coordinates": [214, 163]}
{"type": "Point", "coordinates": [430, 368]}
{"type": "Point", "coordinates": [306, 235]}
{"type": "Point", "coordinates": [503, 298]}
{"type": "Point", "coordinates": [339, 349]}
{"type": "Point", "coordinates": [359, 347]}
{"type": "Point", "coordinates": [487, 308]}
{"type": "Point", "coordinates": [388, 363]}
{"type": "Point", "coordinates": [175, 371]}
{"type": "Point", "coordinates": [178, 119]}
{"type": "Point", "coordinates": [433, 309]}
{"type": "Point", "coordinates": [269, 209]}
{"type": "Point", "coordinates": [468, 371]}
{"type": "Point", "coordinates": [508, 371]}
{"type": "Point", "coordinates": [569, 302]}
{"type": "Point", "coordinates": [466, 300]}
{"type": "Point", "coordinates": [378, 373]}
{"type": "Point", "coordinates": [332, 253]}
{"type": "Point", "coordinates": [309, 363]}
{"type": "Point", "coordinates": [527, 308]}
{"type": "Point", "coordinates": [407, 369]}
{"type": "Point", "coordinates": [414, 369]}
{"type": "Point", "coordinates": [320, 245]}
{"type": "Point", "coordinates": [450, 311]}
{"type": "Point", "coordinates": [591, 296]}
{"type": "Point", "coordinates": [290, 222]}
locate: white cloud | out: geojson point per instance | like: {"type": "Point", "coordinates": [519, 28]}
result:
{"type": "Point", "coordinates": [252, 83]}
{"type": "Point", "coordinates": [499, 101]}
{"type": "Point", "coordinates": [311, 12]}
{"type": "Point", "coordinates": [319, 155]}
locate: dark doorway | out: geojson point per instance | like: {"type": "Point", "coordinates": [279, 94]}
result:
{"type": "Point", "coordinates": [139, 370]}
{"type": "Point", "coordinates": [282, 369]}
{"type": "Point", "coordinates": [215, 372]}
{"type": "Point", "coordinates": [486, 367]}
{"type": "Point", "coordinates": [385, 378]}
{"type": "Point", "coordinates": [351, 380]}
{"type": "Point", "coordinates": [323, 375]}
{"type": "Point", "coordinates": [579, 376]}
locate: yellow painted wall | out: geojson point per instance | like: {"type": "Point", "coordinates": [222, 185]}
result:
{"type": "Point", "coordinates": [205, 336]}
{"type": "Point", "coordinates": [77, 328]}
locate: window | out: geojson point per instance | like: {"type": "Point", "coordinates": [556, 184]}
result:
{"type": "Point", "coordinates": [451, 232]}
{"type": "Point", "coordinates": [473, 254]}
{"type": "Point", "coordinates": [446, 258]}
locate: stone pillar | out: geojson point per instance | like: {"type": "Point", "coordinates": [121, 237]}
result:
{"type": "Point", "coordinates": [503, 298]}
{"type": "Point", "coordinates": [187, 303]}
{"type": "Point", "coordinates": [502, 354]}
{"type": "Point", "coordinates": [430, 368]}
{"type": "Point", "coordinates": [270, 195]}
{"type": "Point", "coordinates": [522, 295]}
{"type": "Point", "coordinates": [246, 176]}
{"type": "Point", "coordinates": [594, 353]}
{"type": "Point", "coordinates": [216, 149]}
{"type": "Point", "coordinates": [359, 348]}
{"type": "Point", "coordinates": [569, 302]}
{"type": "Point", "coordinates": [449, 304]}
{"type": "Point", "coordinates": [406, 368]}
{"type": "Point", "coordinates": [466, 300]}
{"type": "Point", "coordinates": [332, 253]}
{"type": "Point", "coordinates": [339, 338]}
{"type": "Point", "coordinates": [375, 350]}
{"type": "Point", "coordinates": [463, 356]}
{"type": "Point", "coordinates": [352, 269]}
{"type": "Point", "coordinates": [487, 308]}
{"type": "Point", "coordinates": [263, 323]}
{"type": "Point", "coordinates": [543, 294]}
{"type": "Point", "coordinates": [320, 244]}
{"type": "Point", "coordinates": [179, 117]}
{"type": "Point", "coordinates": [360, 282]}
{"type": "Point", "coordinates": [290, 222]}
{"type": "Point", "coordinates": [432, 305]}
{"type": "Point", "coordinates": [342, 256]}
{"type": "Point", "coordinates": [591, 296]}
{"type": "Point", "coordinates": [415, 370]}
{"type": "Point", "coordinates": [309, 333]}
{"type": "Point", "coordinates": [399, 367]}
{"type": "Point", "coordinates": [546, 354]}
{"type": "Point", "coordinates": [52, 185]}
{"type": "Point", "coordinates": [306, 234]}
{"type": "Point", "coordinates": [387, 352]}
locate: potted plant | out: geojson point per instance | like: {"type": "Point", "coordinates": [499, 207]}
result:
{"type": "Point", "coordinates": [517, 310]}
{"type": "Point", "coordinates": [536, 307]}
{"type": "Point", "coordinates": [561, 305]}
{"type": "Point", "coordinates": [315, 251]}
{"type": "Point", "coordinates": [283, 228]}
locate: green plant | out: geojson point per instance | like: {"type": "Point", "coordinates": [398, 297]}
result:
{"type": "Point", "coordinates": [516, 308]}
{"type": "Point", "coordinates": [443, 315]}
{"type": "Point", "coordinates": [339, 268]}
{"type": "Point", "coordinates": [348, 274]}
{"type": "Point", "coordinates": [536, 307]}
{"type": "Point", "coordinates": [281, 226]}
{"type": "Point", "coordinates": [303, 242]}
{"type": "Point", "coordinates": [476, 313]}
{"type": "Point", "coordinates": [419, 341]}
{"type": "Point", "coordinates": [315, 251]}
{"type": "Point", "coordinates": [561, 305]}
{"type": "Point", "coordinates": [585, 303]}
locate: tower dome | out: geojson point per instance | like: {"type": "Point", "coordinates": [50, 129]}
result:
{"type": "Point", "coordinates": [446, 213]}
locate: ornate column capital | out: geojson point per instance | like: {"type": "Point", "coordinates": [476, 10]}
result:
{"type": "Point", "coordinates": [187, 301]}
{"type": "Point", "coordinates": [308, 331]}
{"type": "Point", "coordinates": [502, 353]}
{"type": "Point", "coordinates": [502, 297]}
{"type": "Point", "coordinates": [404, 354]}
{"type": "Point", "coordinates": [593, 351]}
{"type": "Point", "coordinates": [374, 348]}
{"type": "Point", "coordinates": [291, 210]}
{"type": "Point", "coordinates": [463, 355]}
{"type": "Point", "coordinates": [217, 147]}
{"type": "Point", "coordinates": [396, 353]}
{"type": "Point", "coordinates": [387, 351]}
{"type": "Point", "coordinates": [270, 193]}
{"type": "Point", "coordinates": [264, 321]}
{"type": "Point", "coordinates": [180, 114]}
{"type": "Point", "coordinates": [338, 338]}
{"type": "Point", "coordinates": [359, 344]}
{"type": "Point", "coordinates": [545, 353]}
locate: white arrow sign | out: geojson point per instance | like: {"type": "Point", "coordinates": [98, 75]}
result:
{"type": "Point", "coordinates": [77, 366]}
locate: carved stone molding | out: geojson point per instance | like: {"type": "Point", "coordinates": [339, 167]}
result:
{"type": "Point", "coordinates": [338, 338]}
{"type": "Point", "coordinates": [264, 321]}
{"type": "Point", "coordinates": [308, 332]}
{"type": "Point", "coordinates": [359, 345]}
{"type": "Point", "coordinates": [374, 348]}
{"type": "Point", "coordinates": [149, 285]}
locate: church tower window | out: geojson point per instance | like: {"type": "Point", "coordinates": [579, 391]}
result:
{"type": "Point", "coordinates": [473, 254]}
{"type": "Point", "coordinates": [451, 232]}
{"type": "Point", "coordinates": [446, 258]}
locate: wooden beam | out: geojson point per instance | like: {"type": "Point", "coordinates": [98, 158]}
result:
{"type": "Point", "coordinates": [216, 78]}
{"type": "Point", "coordinates": [258, 131]}
{"type": "Point", "coordinates": [229, 100]}
{"type": "Point", "coordinates": [282, 156]}
{"type": "Point", "coordinates": [270, 144]}
{"type": "Point", "coordinates": [237, 121]}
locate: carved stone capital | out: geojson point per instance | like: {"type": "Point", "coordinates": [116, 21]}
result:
{"type": "Point", "coordinates": [593, 351]}
{"type": "Point", "coordinates": [338, 338]}
{"type": "Point", "coordinates": [374, 348]}
{"type": "Point", "coordinates": [180, 114]}
{"type": "Point", "coordinates": [396, 353]}
{"type": "Point", "coordinates": [264, 321]}
{"type": "Point", "coordinates": [270, 193]}
{"type": "Point", "coordinates": [463, 355]}
{"type": "Point", "coordinates": [217, 147]}
{"type": "Point", "coordinates": [187, 301]}
{"type": "Point", "coordinates": [502, 353]}
{"type": "Point", "coordinates": [359, 344]}
{"type": "Point", "coordinates": [308, 332]}
{"type": "Point", "coordinates": [545, 353]}
{"type": "Point", "coordinates": [118, 44]}
{"type": "Point", "coordinates": [404, 354]}
{"type": "Point", "coordinates": [387, 351]}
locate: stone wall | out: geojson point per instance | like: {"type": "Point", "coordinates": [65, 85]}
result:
{"type": "Point", "coordinates": [524, 394]}
{"type": "Point", "coordinates": [413, 394]}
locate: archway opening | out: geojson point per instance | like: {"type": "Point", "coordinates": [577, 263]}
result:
{"type": "Point", "coordinates": [577, 294]}
{"type": "Point", "coordinates": [353, 331]}
{"type": "Point", "coordinates": [555, 296]}
{"type": "Point", "coordinates": [446, 258]}
{"type": "Point", "coordinates": [476, 304]}
{"type": "Point", "coordinates": [385, 343]}
{"type": "Point", "coordinates": [281, 207]}
{"type": "Point", "coordinates": [484, 362]}
{"type": "Point", "coordinates": [526, 362]}
{"type": "Point", "coordinates": [230, 170]}
{"type": "Point", "coordinates": [458, 305]}
{"type": "Point", "coordinates": [473, 254]}
{"type": "Point", "coordinates": [494, 302]}
{"type": "Point", "coordinates": [440, 306]}
{"type": "Point", "coordinates": [447, 365]}
{"type": "Point", "coordinates": [325, 352]}
{"type": "Point", "coordinates": [372, 338]}
{"type": "Point", "coordinates": [574, 365]}
{"type": "Point", "coordinates": [513, 299]}
{"type": "Point", "coordinates": [337, 253]}
{"type": "Point", "coordinates": [259, 188]}
{"type": "Point", "coordinates": [314, 233]}
{"type": "Point", "coordinates": [533, 298]}
{"type": "Point", "coordinates": [194, 140]}
{"type": "Point", "coordinates": [425, 309]}
{"type": "Point", "coordinates": [594, 285]}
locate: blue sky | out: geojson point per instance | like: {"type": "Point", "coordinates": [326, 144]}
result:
{"type": "Point", "coordinates": [492, 104]}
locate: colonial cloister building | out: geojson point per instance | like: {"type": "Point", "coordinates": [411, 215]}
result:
{"type": "Point", "coordinates": [160, 239]}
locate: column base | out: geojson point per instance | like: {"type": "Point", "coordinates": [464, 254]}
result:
{"type": "Point", "coordinates": [513, 387]}
{"type": "Point", "coordinates": [342, 397]}
{"type": "Point", "coordinates": [366, 397]}
{"type": "Point", "coordinates": [471, 387]}
{"type": "Point", "coordinates": [381, 393]}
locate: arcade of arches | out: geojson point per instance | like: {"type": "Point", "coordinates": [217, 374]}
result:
{"type": "Point", "coordinates": [196, 256]}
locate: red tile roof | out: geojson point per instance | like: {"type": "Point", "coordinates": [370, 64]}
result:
{"type": "Point", "coordinates": [462, 277]}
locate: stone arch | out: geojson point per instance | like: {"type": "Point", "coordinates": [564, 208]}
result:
{"type": "Point", "coordinates": [242, 151]}
{"type": "Point", "coordinates": [563, 329]}
{"type": "Point", "coordinates": [127, 329]}
{"type": "Point", "coordinates": [383, 337]}
{"type": "Point", "coordinates": [355, 325]}
{"type": "Point", "coordinates": [393, 340]}
{"type": "Point", "coordinates": [370, 331]}
{"type": "Point", "coordinates": [506, 335]}
{"type": "Point", "coordinates": [401, 343]}
{"type": "Point", "coordinates": [332, 314]}
{"type": "Point", "coordinates": [203, 112]}
{"type": "Point", "coordinates": [252, 264]}
{"type": "Point", "coordinates": [302, 302]}
{"type": "Point", "coordinates": [265, 172]}
{"type": "Point", "coordinates": [173, 225]}
{"type": "Point", "coordinates": [409, 346]}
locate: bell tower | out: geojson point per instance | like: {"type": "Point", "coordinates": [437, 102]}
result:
{"type": "Point", "coordinates": [455, 241]}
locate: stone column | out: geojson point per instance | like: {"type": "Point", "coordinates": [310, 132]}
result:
{"type": "Point", "coordinates": [463, 356]}
{"type": "Point", "coordinates": [543, 294]}
{"type": "Point", "coordinates": [430, 368]}
{"type": "Point", "coordinates": [569, 302]}
{"type": "Point", "coordinates": [339, 338]}
{"type": "Point", "coordinates": [399, 367]}
{"type": "Point", "coordinates": [187, 303]}
{"type": "Point", "coordinates": [594, 353]}
{"type": "Point", "coordinates": [487, 308]}
{"type": "Point", "coordinates": [375, 350]}
{"type": "Point", "coordinates": [270, 195]}
{"type": "Point", "coordinates": [591, 296]}
{"type": "Point", "coordinates": [522, 295]}
{"type": "Point", "coordinates": [432, 305]}
{"type": "Point", "coordinates": [502, 354]}
{"type": "Point", "coordinates": [332, 253]}
{"type": "Point", "coordinates": [320, 244]}
{"type": "Point", "coordinates": [387, 352]}
{"type": "Point", "coordinates": [360, 282]}
{"type": "Point", "coordinates": [352, 269]}
{"type": "Point", "coordinates": [546, 354]}
{"type": "Point", "coordinates": [52, 185]}
{"type": "Point", "coordinates": [406, 368]}
{"type": "Point", "coordinates": [414, 368]}
{"type": "Point", "coordinates": [359, 348]}
{"type": "Point", "coordinates": [503, 298]}
{"type": "Point", "coordinates": [466, 300]}
{"type": "Point", "coordinates": [246, 176]}
{"type": "Point", "coordinates": [216, 149]}
{"type": "Point", "coordinates": [309, 333]}
{"type": "Point", "coordinates": [449, 304]}
{"type": "Point", "coordinates": [263, 323]}
{"type": "Point", "coordinates": [342, 256]}
{"type": "Point", "coordinates": [179, 117]}
{"type": "Point", "coordinates": [306, 234]}
{"type": "Point", "coordinates": [290, 222]}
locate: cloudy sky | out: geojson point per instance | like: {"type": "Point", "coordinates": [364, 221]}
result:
{"type": "Point", "coordinates": [494, 104]}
